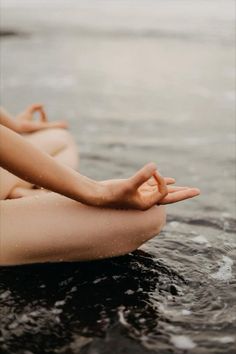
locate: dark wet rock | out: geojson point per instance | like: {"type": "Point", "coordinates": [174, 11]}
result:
{"type": "Point", "coordinates": [44, 308]}
{"type": "Point", "coordinates": [173, 289]}
{"type": "Point", "coordinates": [117, 342]}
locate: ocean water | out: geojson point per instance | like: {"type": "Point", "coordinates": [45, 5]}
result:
{"type": "Point", "coordinates": [138, 81]}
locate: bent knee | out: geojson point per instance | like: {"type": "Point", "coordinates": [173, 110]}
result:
{"type": "Point", "coordinates": [147, 226]}
{"type": "Point", "coordinates": [51, 139]}
{"type": "Point", "coordinates": [154, 221]}
{"type": "Point", "coordinates": [63, 136]}
{"type": "Point", "coordinates": [158, 218]}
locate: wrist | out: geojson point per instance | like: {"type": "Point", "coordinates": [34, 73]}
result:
{"type": "Point", "coordinates": [17, 127]}
{"type": "Point", "coordinates": [88, 191]}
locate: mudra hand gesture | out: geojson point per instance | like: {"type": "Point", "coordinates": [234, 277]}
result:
{"type": "Point", "coordinates": [143, 190]}
{"type": "Point", "coordinates": [26, 123]}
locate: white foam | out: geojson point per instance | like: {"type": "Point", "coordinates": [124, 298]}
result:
{"type": "Point", "coordinates": [60, 303]}
{"type": "Point", "coordinates": [200, 239]}
{"type": "Point", "coordinates": [224, 273]}
{"type": "Point", "coordinates": [5, 295]}
{"type": "Point", "coordinates": [225, 340]}
{"type": "Point", "coordinates": [174, 224]}
{"type": "Point", "coordinates": [129, 292]}
{"type": "Point", "coordinates": [121, 317]}
{"type": "Point", "coordinates": [186, 312]}
{"type": "Point", "coordinates": [182, 342]}
{"type": "Point", "coordinates": [56, 311]}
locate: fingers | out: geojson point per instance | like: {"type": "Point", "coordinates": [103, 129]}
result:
{"type": "Point", "coordinates": [169, 180]}
{"type": "Point", "coordinates": [161, 184]}
{"type": "Point", "coordinates": [57, 124]}
{"type": "Point", "coordinates": [179, 195]}
{"type": "Point", "coordinates": [38, 125]}
{"type": "Point", "coordinates": [143, 175]}
{"type": "Point", "coordinates": [34, 107]}
{"type": "Point", "coordinates": [37, 107]}
{"type": "Point", "coordinates": [43, 115]}
{"type": "Point", "coordinates": [172, 189]}
{"type": "Point", "coordinates": [158, 192]}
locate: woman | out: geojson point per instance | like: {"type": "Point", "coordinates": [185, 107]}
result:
{"type": "Point", "coordinates": [83, 219]}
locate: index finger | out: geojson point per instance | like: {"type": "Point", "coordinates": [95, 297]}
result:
{"type": "Point", "coordinates": [161, 183]}
{"type": "Point", "coordinates": [180, 195]}
{"type": "Point", "coordinates": [43, 115]}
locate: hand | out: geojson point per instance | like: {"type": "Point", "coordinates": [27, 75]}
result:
{"type": "Point", "coordinates": [143, 190]}
{"type": "Point", "coordinates": [26, 124]}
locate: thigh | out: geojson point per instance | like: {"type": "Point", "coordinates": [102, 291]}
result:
{"type": "Point", "coordinates": [8, 182]}
{"type": "Point", "coordinates": [52, 141]}
{"type": "Point", "coordinates": [54, 228]}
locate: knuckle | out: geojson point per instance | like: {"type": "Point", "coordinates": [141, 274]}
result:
{"type": "Point", "coordinates": [144, 207]}
{"type": "Point", "coordinates": [145, 176]}
{"type": "Point", "coordinates": [129, 185]}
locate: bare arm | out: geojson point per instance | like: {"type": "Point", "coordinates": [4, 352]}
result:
{"type": "Point", "coordinates": [31, 164]}
{"type": "Point", "coordinates": [141, 191]}
{"type": "Point", "coordinates": [7, 120]}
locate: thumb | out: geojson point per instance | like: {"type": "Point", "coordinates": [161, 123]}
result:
{"type": "Point", "coordinates": [143, 174]}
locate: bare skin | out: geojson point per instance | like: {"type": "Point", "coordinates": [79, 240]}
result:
{"type": "Point", "coordinates": [92, 223]}
{"type": "Point", "coordinates": [25, 122]}
{"type": "Point", "coordinates": [51, 137]}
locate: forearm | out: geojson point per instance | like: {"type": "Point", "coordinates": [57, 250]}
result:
{"type": "Point", "coordinates": [7, 120]}
{"type": "Point", "coordinates": [31, 164]}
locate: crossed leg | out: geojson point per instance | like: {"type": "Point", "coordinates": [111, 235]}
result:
{"type": "Point", "coordinates": [53, 228]}
{"type": "Point", "coordinates": [49, 227]}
